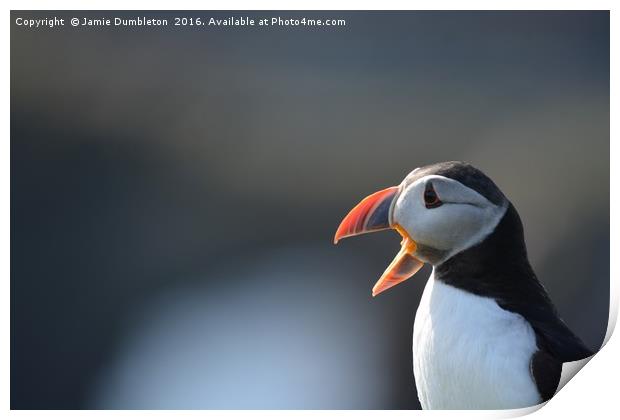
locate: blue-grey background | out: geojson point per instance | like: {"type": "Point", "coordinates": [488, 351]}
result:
{"type": "Point", "coordinates": [175, 191]}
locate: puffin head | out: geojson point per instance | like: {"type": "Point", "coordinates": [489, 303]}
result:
{"type": "Point", "coordinates": [440, 210]}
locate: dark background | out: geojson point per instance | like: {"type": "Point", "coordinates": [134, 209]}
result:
{"type": "Point", "coordinates": [175, 191]}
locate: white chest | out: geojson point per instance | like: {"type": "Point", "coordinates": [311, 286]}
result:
{"type": "Point", "coordinates": [469, 353]}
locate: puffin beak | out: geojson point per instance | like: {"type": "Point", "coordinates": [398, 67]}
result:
{"type": "Point", "coordinates": [373, 214]}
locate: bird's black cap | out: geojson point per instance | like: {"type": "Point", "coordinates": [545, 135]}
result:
{"type": "Point", "coordinates": [464, 173]}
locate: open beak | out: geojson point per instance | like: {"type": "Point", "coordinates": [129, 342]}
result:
{"type": "Point", "coordinates": [373, 214]}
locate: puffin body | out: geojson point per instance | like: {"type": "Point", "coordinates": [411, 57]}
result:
{"type": "Point", "coordinates": [467, 352]}
{"type": "Point", "coordinates": [486, 334]}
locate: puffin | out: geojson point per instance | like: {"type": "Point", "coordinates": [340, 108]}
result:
{"type": "Point", "coordinates": [486, 334]}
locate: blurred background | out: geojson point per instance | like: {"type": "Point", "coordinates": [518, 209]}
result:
{"type": "Point", "coordinates": [175, 191]}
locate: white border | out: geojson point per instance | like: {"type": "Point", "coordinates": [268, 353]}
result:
{"type": "Point", "coordinates": [592, 393]}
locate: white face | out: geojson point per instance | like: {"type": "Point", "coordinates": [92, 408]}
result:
{"type": "Point", "coordinates": [460, 219]}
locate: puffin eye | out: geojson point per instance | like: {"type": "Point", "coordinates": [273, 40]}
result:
{"type": "Point", "coordinates": [431, 200]}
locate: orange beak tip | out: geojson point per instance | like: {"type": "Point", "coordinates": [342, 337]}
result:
{"type": "Point", "coordinates": [369, 215]}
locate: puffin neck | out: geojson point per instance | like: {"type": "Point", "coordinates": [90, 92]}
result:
{"type": "Point", "coordinates": [498, 268]}
{"type": "Point", "coordinates": [491, 267]}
